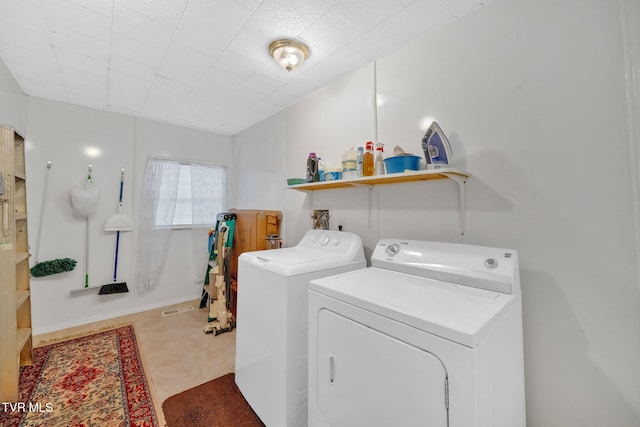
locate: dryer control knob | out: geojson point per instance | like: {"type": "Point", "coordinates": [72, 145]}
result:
{"type": "Point", "coordinates": [324, 240]}
{"type": "Point", "coordinates": [392, 250]}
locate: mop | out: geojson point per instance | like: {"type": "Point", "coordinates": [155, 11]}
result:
{"type": "Point", "coordinates": [55, 266]}
{"type": "Point", "coordinates": [118, 222]}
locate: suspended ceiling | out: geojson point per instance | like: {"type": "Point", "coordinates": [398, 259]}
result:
{"type": "Point", "coordinates": [202, 64]}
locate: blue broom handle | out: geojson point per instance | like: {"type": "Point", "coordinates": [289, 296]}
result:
{"type": "Point", "coordinates": [115, 266]}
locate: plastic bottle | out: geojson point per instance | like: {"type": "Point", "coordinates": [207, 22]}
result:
{"type": "Point", "coordinates": [321, 169]}
{"type": "Point", "coordinates": [312, 168]}
{"type": "Point", "coordinates": [349, 164]}
{"type": "Point", "coordinates": [368, 167]}
{"type": "Point", "coordinates": [359, 161]}
{"type": "Point", "coordinates": [379, 166]}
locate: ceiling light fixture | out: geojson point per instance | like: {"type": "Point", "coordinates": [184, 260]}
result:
{"type": "Point", "coordinates": [288, 53]}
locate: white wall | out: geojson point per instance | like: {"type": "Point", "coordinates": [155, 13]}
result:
{"type": "Point", "coordinates": [13, 101]}
{"type": "Point", "coordinates": [61, 133]}
{"type": "Point", "coordinates": [258, 166]}
{"type": "Point", "coordinates": [532, 97]}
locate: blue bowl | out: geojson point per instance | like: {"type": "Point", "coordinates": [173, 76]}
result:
{"type": "Point", "coordinates": [400, 164]}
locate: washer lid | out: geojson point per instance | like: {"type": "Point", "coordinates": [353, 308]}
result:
{"type": "Point", "coordinates": [295, 261]}
{"type": "Point", "coordinates": [455, 312]}
{"type": "Point", "coordinates": [318, 250]}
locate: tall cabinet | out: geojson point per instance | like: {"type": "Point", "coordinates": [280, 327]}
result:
{"type": "Point", "coordinates": [251, 230]}
{"type": "Point", "coordinates": [15, 297]}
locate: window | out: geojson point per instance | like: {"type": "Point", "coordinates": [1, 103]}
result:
{"type": "Point", "coordinates": [189, 193]}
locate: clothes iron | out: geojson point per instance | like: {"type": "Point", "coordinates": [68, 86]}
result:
{"type": "Point", "coordinates": [436, 147]}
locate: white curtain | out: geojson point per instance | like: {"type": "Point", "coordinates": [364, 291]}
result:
{"type": "Point", "coordinates": [207, 201]}
{"type": "Point", "coordinates": [158, 204]}
{"type": "Point", "coordinates": [168, 184]}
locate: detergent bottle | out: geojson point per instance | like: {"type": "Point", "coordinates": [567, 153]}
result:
{"type": "Point", "coordinates": [312, 168]}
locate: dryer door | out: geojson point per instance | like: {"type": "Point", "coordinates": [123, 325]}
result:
{"type": "Point", "coordinates": [367, 378]}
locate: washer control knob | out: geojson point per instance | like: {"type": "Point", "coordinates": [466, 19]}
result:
{"type": "Point", "coordinates": [392, 250]}
{"type": "Point", "coordinates": [336, 241]}
{"type": "Point", "coordinates": [324, 240]}
{"type": "Point", "coordinates": [491, 263]}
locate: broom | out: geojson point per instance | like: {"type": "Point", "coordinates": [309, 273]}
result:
{"type": "Point", "coordinates": [118, 222]}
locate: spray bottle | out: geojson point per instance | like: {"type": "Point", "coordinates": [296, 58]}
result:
{"type": "Point", "coordinates": [367, 160]}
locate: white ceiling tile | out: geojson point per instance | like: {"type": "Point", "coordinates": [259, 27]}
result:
{"type": "Point", "coordinates": [136, 51]}
{"type": "Point", "coordinates": [377, 42]}
{"type": "Point", "coordinates": [204, 94]}
{"type": "Point", "coordinates": [261, 84]}
{"type": "Point", "coordinates": [209, 26]}
{"type": "Point", "coordinates": [366, 14]}
{"type": "Point", "coordinates": [25, 13]}
{"type": "Point", "coordinates": [461, 7]}
{"type": "Point", "coordinates": [237, 64]}
{"type": "Point", "coordinates": [81, 44]}
{"type": "Point", "coordinates": [171, 88]}
{"type": "Point", "coordinates": [242, 99]}
{"type": "Point", "coordinates": [345, 59]}
{"type": "Point", "coordinates": [138, 71]}
{"type": "Point", "coordinates": [187, 57]}
{"type": "Point", "coordinates": [251, 5]}
{"type": "Point", "coordinates": [126, 92]}
{"type": "Point", "coordinates": [77, 81]}
{"type": "Point", "coordinates": [310, 10]}
{"type": "Point", "coordinates": [421, 17]}
{"type": "Point", "coordinates": [23, 65]}
{"type": "Point", "coordinates": [104, 7]}
{"type": "Point", "coordinates": [169, 12]}
{"type": "Point", "coordinates": [62, 15]}
{"type": "Point", "coordinates": [141, 28]}
{"type": "Point", "coordinates": [160, 105]}
{"type": "Point", "coordinates": [189, 112]}
{"type": "Point", "coordinates": [276, 17]}
{"type": "Point", "coordinates": [329, 33]}
{"type": "Point", "coordinates": [23, 38]}
{"type": "Point", "coordinates": [216, 76]}
{"type": "Point", "coordinates": [179, 74]}
{"type": "Point", "coordinates": [78, 63]}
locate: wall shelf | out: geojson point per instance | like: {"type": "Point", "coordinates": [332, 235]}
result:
{"type": "Point", "coordinates": [395, 178]}
{"type": "Point", "coordinates": [458, 176]}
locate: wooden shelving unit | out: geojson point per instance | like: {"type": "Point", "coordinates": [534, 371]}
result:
{"type": "Point", "coordinates": [15, 294]}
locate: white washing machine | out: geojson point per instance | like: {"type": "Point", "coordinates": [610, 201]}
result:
{"type": "Point", "coordinates": [272, 324]}
{"type": "Point", "coordinates": [430, 335]}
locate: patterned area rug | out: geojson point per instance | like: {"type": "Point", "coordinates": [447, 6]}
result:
{"type": "Point", "coordinates": [97, 380]}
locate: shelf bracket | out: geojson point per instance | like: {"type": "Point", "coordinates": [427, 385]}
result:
{"type": "Point", "coordinates": [462, 196]}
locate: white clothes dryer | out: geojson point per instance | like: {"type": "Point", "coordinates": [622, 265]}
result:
{"type": "Point", "coordinates": [272, 325]}
{"type": "Point", "coordinates": [430, 335]}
